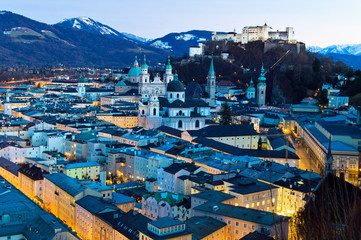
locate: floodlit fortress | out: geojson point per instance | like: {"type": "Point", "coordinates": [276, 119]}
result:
{"type": "Point", "coordinates": [256, 33]}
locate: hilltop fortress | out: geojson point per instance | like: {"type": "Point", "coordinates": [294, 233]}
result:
{"type": "Point", "coordinates": [256, 33]}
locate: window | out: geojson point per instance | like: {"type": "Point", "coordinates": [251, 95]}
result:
{"type": "Point", "coordinates": [171, 95]}
{"type": "Point", "coordinates": [197, 124]}
{"type": "Point", "coordinates": [244, 225]}
{"type": "Point", "coordinates": [177, 95]}
{"type": "Point", "coordinates": [154, 111]}
{"type": "Point", "coordinates": [229, 222]}
{"type": "Point", "coordinates": [180, 124]}
{"type": "Point", "coordinates": [237, 224]}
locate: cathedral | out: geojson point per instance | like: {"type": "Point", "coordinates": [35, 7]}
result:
{"type": "Point", "coordinates": [164, 102]}
{"type": "Point", "coordinates": [261, 90]}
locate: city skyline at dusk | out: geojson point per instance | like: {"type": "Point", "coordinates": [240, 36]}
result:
{"type": "Point", "coordinates": [316, 23]}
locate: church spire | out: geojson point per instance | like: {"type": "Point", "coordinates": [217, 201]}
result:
{"type": "Point", "coordinates": [136, 64]}
{"type": "Point", "coordinates": [169, 66]}
{"type": "Point", "coordinates": [211, 84]}
{"type": "Point", "coordinates": [7, 97]}
{"type": "Point", "coordinates": [211, 69]}
{"type": "Point", "coordinates": [262, 78]}
{"type": "Point", "coordinates": [144, 65]}
{"type": "Point", "coordinates": [329, 159]}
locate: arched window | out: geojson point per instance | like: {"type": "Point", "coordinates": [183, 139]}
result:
{"type": "Point", "coordinates": [180, 124]}
{"type": "Point", "coordinates": [197, 124]}
{"type": "Point", "coordinates": [143, 112]}
{"type": "Point", "coordinates": [171, 95]}
{"type": "Point", "coordinates": [177, 95]}
{"type": "Point", "coordinates": [262, 92]}
{"type": "Point", "coordinates": [154, 111]}
{"type": "Point", "coordinates": [180, 113]}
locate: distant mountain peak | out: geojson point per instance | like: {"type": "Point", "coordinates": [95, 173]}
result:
{"type": "Point", "coordinates": [346, 49]}
{"type": "Point", "coordinates": [89, 25]}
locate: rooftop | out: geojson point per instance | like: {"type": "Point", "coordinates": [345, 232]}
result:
{"type": "Point", "coordinates": [214, 196]}
{"type": "Point", "coordinates": [241, 213]}
{"type": "Point", "coordinates": [81, 165]}
{"type": "Point", "coordinates": [166, 222]}
{"type": "Point", "coordinates": [201, 227]}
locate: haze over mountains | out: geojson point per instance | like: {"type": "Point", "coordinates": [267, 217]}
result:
{"type": "Point", "coordinates": [83, 41]}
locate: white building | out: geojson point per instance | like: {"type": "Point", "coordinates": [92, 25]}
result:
{"type": "Point", "coordinates": [166, 204]}
{"type": "Point", "coordinates": [196, 50]}
{"type": "Point", "coordinates": [337, 100]}
{"type": "Point", "coordinates": [256, 33]}
{"type": "Point", "coordinates": [174, 110]}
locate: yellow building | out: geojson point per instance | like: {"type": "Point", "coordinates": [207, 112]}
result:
{"type": "Point", "coordinates": [87, 209]}
{"type": "Point", "coordinates": [123, 202]}
{"type": "Point", "coordinates": [9, 171]}
{"type": "Point", "coordinates": [123, 120]}
{"type": "Point", "coordinates": [60, 194]}
{"type": "Point", "coordinates": [251, 193]}
{"type": "Point", "coordinates": [84, 170]}
{"type": "Point", "coordinates": [293, 194]}
{"type": "Point", "coordinates": [241, 220]}
{"type": "Point", "coordinates": [31, 181]}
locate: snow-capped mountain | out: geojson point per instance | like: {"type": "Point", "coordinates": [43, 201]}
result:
{"type": "Point", "coordinates": [29, 42]}
{"type": "Point", "coordinates": [348, 49]}
{"type": "Point", "coordinates": [179, 43]}
{"type": "Point", "coordinates": [90, 25]}
{"type": "Point", "coordinates": [350, 54]}
{"type": "Point", "coordinates": [136, 38]}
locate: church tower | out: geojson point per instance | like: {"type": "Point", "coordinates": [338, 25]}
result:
{"type": "Point", "coordinates": [329, 159]}
{"type": "Point", "coordinates": [81, 87]}
{"type": "Point", "coordinates": [144, 78]}
{"type": "Point", "coordinates": [134, 72]}
{"type": "Point", "coordinates": [211, 85]}
{"type": "Point", "coordinates": [168, 76]}
{"type": "Point", "coordinates": [251, 91]}
{"type": "Point", "coordinates": [7, 106]}
{"type": "Point", "coordinates": [261, 89]}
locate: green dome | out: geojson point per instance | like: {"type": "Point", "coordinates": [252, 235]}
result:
{"type": "Point", "coordinates": [144, 65]}
{"type": "Point", "coordinates": [251, 88]}
{"type": "Point", "coordinates": [168, 65]}
{"type": "Point", "coordinates": [134, 71]}
{"type": "Point", "coordinates": [175, 85]}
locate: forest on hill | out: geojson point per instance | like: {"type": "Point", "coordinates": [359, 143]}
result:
{"type": "Point", "coordinates": [290, 76]}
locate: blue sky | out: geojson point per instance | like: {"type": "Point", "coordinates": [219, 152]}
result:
{"type": "Point", "coordinates": [316, 22]}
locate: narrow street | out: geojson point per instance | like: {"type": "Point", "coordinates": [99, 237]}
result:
{"type": "Point", "coordinates": [305, 160]}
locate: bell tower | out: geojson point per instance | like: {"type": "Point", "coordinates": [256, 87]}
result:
{"type": "Point", "coordinates": [261, 89]}
{"type": "Point", "coordinates": [7, 105]}
{"type": "Point", "coordinates": [211, 84]}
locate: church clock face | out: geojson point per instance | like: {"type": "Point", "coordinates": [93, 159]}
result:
{"type": "Point", "coordinates": [154, 104]}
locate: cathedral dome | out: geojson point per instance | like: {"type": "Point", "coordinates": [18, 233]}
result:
{"type": "Point", "coordinates": [134, 71]}
{"type": "Point", "coordinates": [175, 85]}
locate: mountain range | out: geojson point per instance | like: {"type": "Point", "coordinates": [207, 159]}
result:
{"type": "Point", "coordinates": [350, 54]}
{"type": "Point", "coordinates": [83, 41]}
